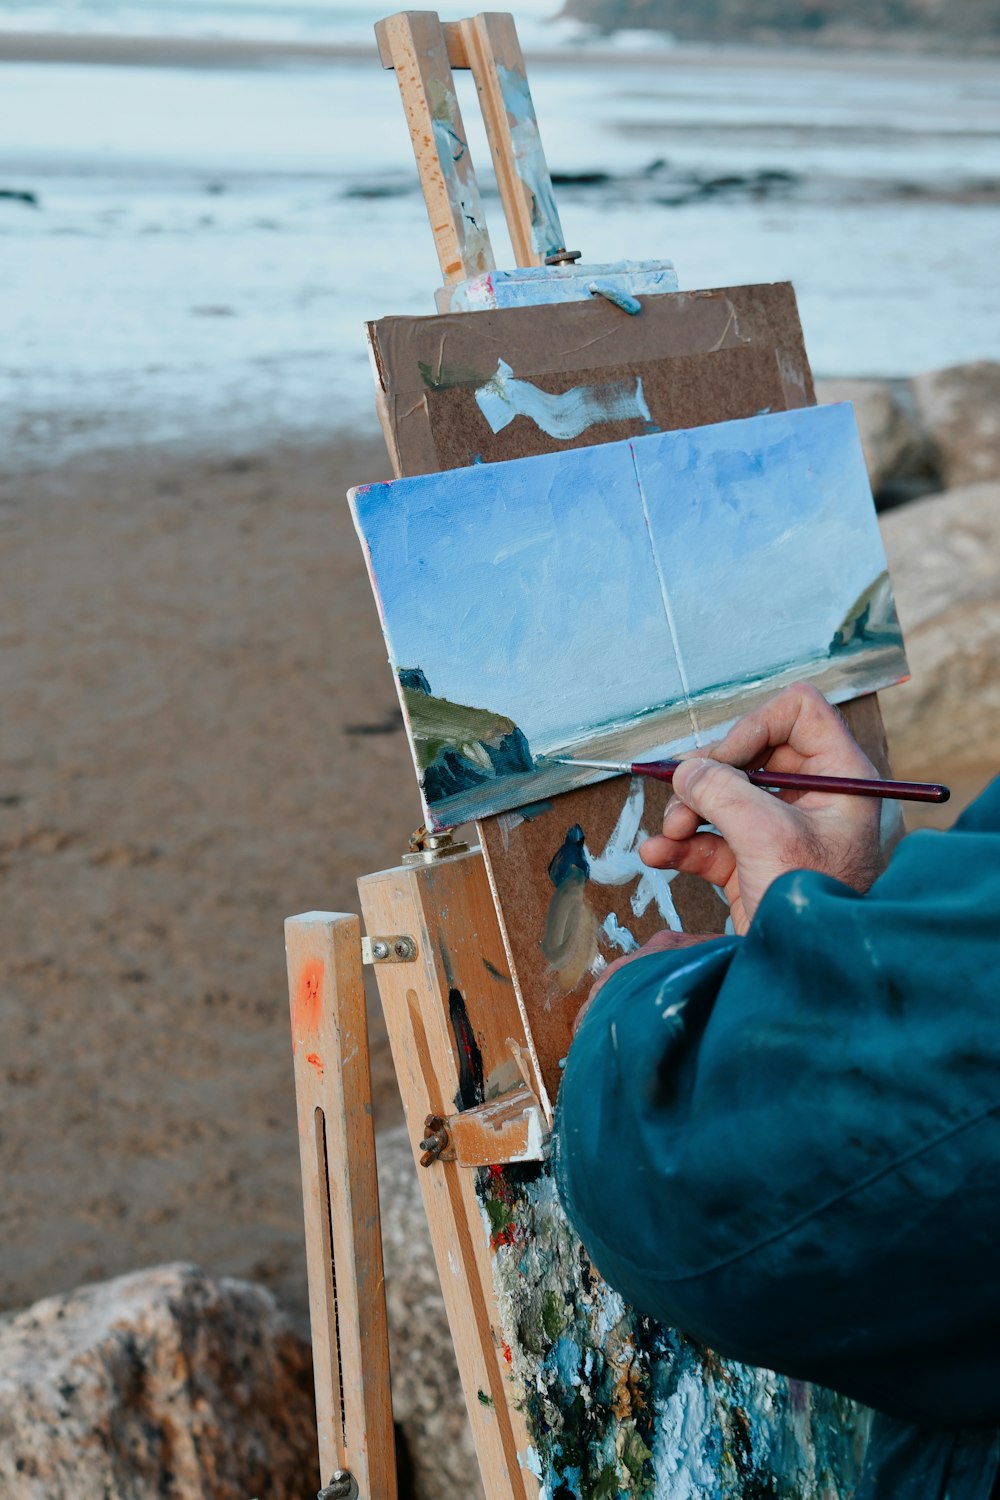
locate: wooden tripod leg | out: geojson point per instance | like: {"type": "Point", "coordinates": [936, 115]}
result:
{"type": "Point", "coordinates": [491, 49]}
{"type": "Point", "coordinates": [340, 1193]}
{"type": "Point", "coordinates": [413, 43]}
{"type": "Point", "coordinates": [452, 1014]}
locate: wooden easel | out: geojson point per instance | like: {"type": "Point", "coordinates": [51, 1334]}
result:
{"type": "Point", "coordinates": [435, 934]}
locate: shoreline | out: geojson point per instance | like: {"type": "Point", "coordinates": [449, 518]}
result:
{"type": "Point", "coordinates": [868, 55]}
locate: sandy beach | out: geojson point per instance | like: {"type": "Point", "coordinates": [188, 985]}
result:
{"type": "Point", "coordinates": [200, 737]}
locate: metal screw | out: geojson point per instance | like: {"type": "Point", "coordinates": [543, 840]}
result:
{"type": "Point", "coordinates": [341, 1487]}
{"type": "Point", "coordinates": [426, 848]}
{"type": "Point", "coordinates": [435, 1140]}
{"type": "Point", "coordinates": [563, 257]}
{"type": "Point", "coordinates": [380, 949]}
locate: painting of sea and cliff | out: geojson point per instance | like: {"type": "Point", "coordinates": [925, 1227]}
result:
{"type": "Point", "coordinates": [625, 601]}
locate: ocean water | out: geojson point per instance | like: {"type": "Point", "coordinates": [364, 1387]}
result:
{"type": "Point", "coordinates": [307, 21]}
{"type": "Point", "coordinates": [189, 254]}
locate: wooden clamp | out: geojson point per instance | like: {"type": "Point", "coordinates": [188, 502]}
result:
{"type": "Point", "coordinates": [423, 52]}
{"type": "Point", "coordinates": [510, 1128]}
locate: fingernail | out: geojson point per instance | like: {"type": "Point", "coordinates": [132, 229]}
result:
{"type": "Point", "coordinates": [673, 810]}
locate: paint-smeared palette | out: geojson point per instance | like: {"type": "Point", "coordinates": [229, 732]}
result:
{"type": "Point", "coordinates": [624, 601]}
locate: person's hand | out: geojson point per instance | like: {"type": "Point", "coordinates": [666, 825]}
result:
{"type": "Point", "coordinates": [762, 834]}
{"type": "Point", "coordinates": [660, 941]}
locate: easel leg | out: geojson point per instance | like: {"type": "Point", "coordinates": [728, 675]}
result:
{"type": "Point", "coordinates": [414, 44]}
{"type": "Point", "coordinates": [340, 1193]}
{"type": "Point", "coordinates": [448, 910]}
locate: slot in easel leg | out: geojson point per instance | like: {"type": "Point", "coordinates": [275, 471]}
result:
{"type": "Point", "coordinates": [340, 1194]}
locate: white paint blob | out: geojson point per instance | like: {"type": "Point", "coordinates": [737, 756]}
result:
{"type": "Point", "coordinates": [564, 416]}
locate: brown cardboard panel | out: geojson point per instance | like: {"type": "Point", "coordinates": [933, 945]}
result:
{"type": "Point", "coordinates": [541, 914]}
{"type": "Point", "coordinates": [420, 360]}
{"type": "Point", "coordinates": [687, 391]}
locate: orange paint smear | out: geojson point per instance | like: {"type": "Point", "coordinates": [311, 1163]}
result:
{"type": "Point", "coordinates": [316, 1062]}
{"type": "Point", "coordinates": [307, 1006]}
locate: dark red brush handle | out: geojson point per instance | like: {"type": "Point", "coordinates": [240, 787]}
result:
{"type": "Point", "coordinates": [792, 781]}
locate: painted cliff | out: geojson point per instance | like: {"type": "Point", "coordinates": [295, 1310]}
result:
{"type": "Point", "coordinates": [457, 746]}
{"type": "Point", "coordinates": [871, 619]}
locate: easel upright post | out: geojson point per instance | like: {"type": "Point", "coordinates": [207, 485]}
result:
{"type": "Point", "coordinates": [340, 1192]}
{"type": "Point", "coordinates": [413, 43]}
{"type": "Point", "coordinates": [493, 53]}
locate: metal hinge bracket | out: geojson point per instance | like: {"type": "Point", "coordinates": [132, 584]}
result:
{"type": "Point", "coordinates": [397, 949]}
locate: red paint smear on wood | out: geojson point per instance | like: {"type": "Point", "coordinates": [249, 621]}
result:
{"type": "Point", "coordinates": [307, 1005]}
{"type": "Point", "coordinates": [316, 1062]}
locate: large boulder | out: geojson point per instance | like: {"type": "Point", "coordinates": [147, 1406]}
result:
{"type": "Point", "coordinates": [959, 412]}
{"type": "Point", "coordinates": [162, 1385]}
{"type": "Point", "coordinates": [894, 445]}
{"type": "Point", "coordinates": [168, 1385]}
{"type": "Point", "coordinates": [944, 557]}
{"type": "Point", "coordinates": [426, 1394]}
{"type": "Point", "coordinates": [165, 1385]}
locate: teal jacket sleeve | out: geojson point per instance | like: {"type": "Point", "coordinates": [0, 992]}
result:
{"type": "Point", "coordinates": [788, 1144]}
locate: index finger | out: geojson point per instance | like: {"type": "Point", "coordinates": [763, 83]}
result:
{"type": "Point", "coordinates": [799, 720]}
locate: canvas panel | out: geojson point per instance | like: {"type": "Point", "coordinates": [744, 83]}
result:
{"type": "Point", "coordinates": [547, 607]}
{"type": "Point", "coordinates": [771, 561]}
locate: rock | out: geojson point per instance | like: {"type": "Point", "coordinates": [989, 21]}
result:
{"type": "Point", "coordinates": [871, 619]}
{"type": "Point", "coordinates": [908, 23]}
{"type": "Point", "coordinates": [943, 557]}
{"type": "Point", "coordinates": [959, 410]}
{"type": "Point", "coordinates": [426, 1394]}
{"type": "Point", "coordinates": [895, 447]}
{"type": "Point", "coordinates": [162, 1385]}
{"type": "Point", "coordinates": [414, 679]}
{"type": "Point", "coordinates": [167, 1385]}
{"type": "Point", "coordinates": [458, 746]}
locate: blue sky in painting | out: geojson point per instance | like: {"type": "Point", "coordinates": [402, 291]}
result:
{"type": "Point", "coordinates": [755, 524]}
{"type": "Point", "coordinates": [531, 587]}
{"type": "Point", "coordinates": [527, 587]}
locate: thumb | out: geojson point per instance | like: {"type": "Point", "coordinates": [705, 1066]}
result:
{"type": "Point", "coordinates": [745, 815]}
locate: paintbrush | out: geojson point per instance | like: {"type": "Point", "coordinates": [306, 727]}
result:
{"type": "Point", "coordinates": [782, 781]}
